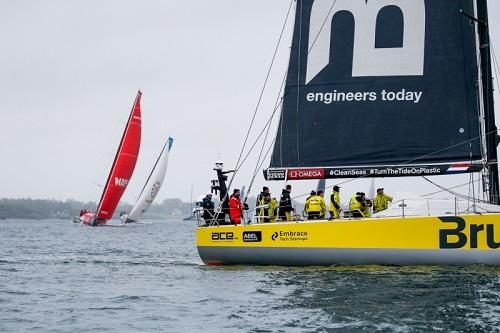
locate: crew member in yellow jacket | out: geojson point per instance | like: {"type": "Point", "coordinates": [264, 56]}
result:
{"type": "Point", "coordinates": [381, 201]}
{"type": "Point", "coordinates": [367, 209]}
{"type": "Point", "coordinates": [357, 205]}
{"type": "Point", "coordinates": [335, 203]}
{"type": "Point", "coordinates": [269, 208]}
{"type": "Point", "coordinates": [315, 206]}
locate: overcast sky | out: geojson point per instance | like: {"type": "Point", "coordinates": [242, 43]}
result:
{"type": "Point", "coordinates": [69, 72]}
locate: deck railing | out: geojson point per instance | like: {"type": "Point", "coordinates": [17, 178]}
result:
{"type": "Point", "coordinates": [403, 208]}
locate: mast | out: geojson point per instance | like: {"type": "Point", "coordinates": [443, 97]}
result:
{"type": "Point", "coordinates": [489, 110]}
{"type": "Point", "coordinates": [191, 198]}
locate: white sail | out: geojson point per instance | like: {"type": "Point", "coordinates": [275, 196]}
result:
{"type": "Point", "coordinates": [153, 184]}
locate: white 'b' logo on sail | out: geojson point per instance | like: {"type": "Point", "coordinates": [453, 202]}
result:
{"type": "Point", "coordinates": [367, 59]}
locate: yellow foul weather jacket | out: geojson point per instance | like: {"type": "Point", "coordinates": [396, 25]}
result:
{"type": "Point", "coordinates": [335, 204]}
{"type": "Point", "coordinates": [381, 202]}
{"type": "Point", "coordinates": [316, 203]}
{"type": "Point", "coordinates": [354, 204]}
{"type": "Point", "coordinates": [271, 210]}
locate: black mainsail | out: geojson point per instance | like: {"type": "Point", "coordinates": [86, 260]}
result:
{"type": "Point", "coordinates": [380, 88]}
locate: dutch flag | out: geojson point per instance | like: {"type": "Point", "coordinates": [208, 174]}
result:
{"type": "Point", "coordinates": [458, 168]}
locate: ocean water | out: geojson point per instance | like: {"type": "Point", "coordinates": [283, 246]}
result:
{"type": "Point", "coordinates": [56, 276]}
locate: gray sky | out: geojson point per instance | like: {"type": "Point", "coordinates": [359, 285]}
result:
{"type": "Point", "coordinates": [70, 71]}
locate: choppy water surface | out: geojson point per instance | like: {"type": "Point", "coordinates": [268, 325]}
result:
{"type": "Point", "coordinates": [60, 277]}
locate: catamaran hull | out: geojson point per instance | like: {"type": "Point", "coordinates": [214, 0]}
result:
{"type": "Point", "coordinates": [448, 240]}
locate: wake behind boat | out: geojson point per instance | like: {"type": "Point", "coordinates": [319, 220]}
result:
{"type": "Point", "coordinates": [152, 185]}
{"type": "Point", "coordinates": [379, 89]}
{"type": "Point", "coordinates": [121, 170]}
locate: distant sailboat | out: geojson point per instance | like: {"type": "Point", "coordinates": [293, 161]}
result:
{"type": "Point", "coordinates": [192, 216]}
{"type": "Point", "coordinates": [152, 185]}
{"type": "Point", "coordinates": [121, 171]}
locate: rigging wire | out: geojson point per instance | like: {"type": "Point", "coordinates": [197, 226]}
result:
{"type": "Point", "coordinates": [238, 164]}
{"type": "Point", "coordinates": [263, 87]}
{"type": "Point", "coordinates": [298, 82]}
{"type": "Point", "coordinates": [458, 195]}
{"type": "Point", "coordinates": [260, 134]}
{"type": "Point", "coordinates": [322, 26]}
{"type": "Point", "coordinates": [264, 159]}
{"type": "Point", "coordinates": [259, 164]}
{"type": "Point", "coordinates": [443, 189]}
{"type": "Point", "coordinates": [496, 67]}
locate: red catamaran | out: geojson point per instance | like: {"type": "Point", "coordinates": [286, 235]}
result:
{"type": "Point", "coordinates": [121, 171]}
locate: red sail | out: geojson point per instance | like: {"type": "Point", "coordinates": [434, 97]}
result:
{"type": "Point", "coordinates": [124, 163]}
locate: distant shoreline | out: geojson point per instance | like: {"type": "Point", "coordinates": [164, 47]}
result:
{"type": "Point", "coordinates": [43, 209]}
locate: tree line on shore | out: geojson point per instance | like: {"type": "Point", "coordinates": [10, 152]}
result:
{"type": "Point", "coordinates": [41, 209]}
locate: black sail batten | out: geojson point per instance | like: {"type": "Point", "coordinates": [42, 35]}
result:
{"type": "Point", "coordinates": [371, 86]}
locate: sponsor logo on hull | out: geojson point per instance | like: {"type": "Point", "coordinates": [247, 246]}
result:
{"type": "Point", "coordinates": [224, 236]}
{"type": "Point", "coordinates": [290, 236]}
{"type": "Point", "coordinates": [457, 238]}
{"type": "Point", "coordinates": [252, 236]}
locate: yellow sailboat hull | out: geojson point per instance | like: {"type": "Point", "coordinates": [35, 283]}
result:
{"type": "Point", "coordinates": [454, 240]}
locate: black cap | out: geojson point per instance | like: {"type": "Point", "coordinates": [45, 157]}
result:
{"type": "Point", "coordinates": [313, 192]}
{"type": "Point", "coordinates": [336, 188]}
{"type": "Point", "coordinates": [380, 189]}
